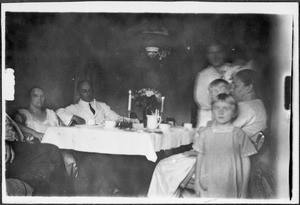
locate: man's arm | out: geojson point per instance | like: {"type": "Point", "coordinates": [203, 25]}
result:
{"type": "Point", "coordinates": [64, 115]}
{"type": "Point", "coordinates": [67, 116]}
{"type": "Point", "coordinates": [110, 114]}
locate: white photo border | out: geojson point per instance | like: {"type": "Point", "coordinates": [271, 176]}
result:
{"type": "Point", "coordinates": [288, 8]}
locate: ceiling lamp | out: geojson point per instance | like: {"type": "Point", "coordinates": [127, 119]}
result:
{"type": "Point", "coordinates": [152, 52]}
{"type": "Point", "coordinates": [157, 30]}
{"type": "Point", "coordinates": [156, 42]}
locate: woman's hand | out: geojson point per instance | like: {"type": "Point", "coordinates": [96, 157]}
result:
{"type": "Point", "coordinates": [37, 135]}
{"type": "Point", "coordinates": [9, 153]}
{"type": "Point", "coordinates": [40, 136]}
{"type": "Point", "coordinates": [127, 119]}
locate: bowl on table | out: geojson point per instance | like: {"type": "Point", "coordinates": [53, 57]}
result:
{"type": "Point", "coordinates": [188, 126]}
{"type": "Point", "coordinates": [164, 127]}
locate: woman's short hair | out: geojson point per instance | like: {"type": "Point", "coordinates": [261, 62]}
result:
{"type": "Point", "coordinates": [33, 88]}
{"type": "Point", "coordinates": [224, 97]}
{"type": "Point", "coordinates": [247, 76]}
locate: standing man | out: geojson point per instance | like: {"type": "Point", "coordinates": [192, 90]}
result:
{"type": "Point", "coordinates": [88, 108]}
{"type": "Point", "coordinates": [217, 69]}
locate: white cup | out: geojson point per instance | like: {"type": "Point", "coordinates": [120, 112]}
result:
{"type": "Point", "coordinates": [164, 127]}
{"type": "Point", "coordinates": [109, 124]}
{"type": "Point", "coordinates": [91, 122]}
{"type": "Point", "coordinates": [153, 121]}
{"type": "Point", "coordinates": [188, 126]}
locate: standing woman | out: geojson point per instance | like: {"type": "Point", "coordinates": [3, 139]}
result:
{"type": "Point", "coordinates": [35, 120]}
{"type": "Point", "coordinates": [217, 69]}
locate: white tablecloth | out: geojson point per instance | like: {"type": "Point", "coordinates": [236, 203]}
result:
{"type": "Point", "coordinates": [175, 137]}
{"type": "Point", "coordinates": [116, 141]}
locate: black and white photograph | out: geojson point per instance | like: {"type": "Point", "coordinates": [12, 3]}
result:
{"type": "Point", "coordinates": [150, 102]}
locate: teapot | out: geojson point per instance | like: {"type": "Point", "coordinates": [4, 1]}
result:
{"type": "Point", "coordinates": [153, 121]}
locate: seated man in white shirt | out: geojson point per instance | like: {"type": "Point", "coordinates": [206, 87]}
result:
{"type": "Point", "coordinates": [88, 109]}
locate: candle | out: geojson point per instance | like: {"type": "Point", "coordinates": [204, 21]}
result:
{"type": "Point", "coordinates": [129, 101]}
{"type": "Point", "coordinates": [162, 104]}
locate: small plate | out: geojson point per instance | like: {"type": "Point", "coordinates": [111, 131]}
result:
{"type": "Point", "coordinates": [153, 130]}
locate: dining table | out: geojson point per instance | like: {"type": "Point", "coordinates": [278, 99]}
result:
{"type": "Point", "coordinates": [96, 139]}
{"type": "Point", "coordinates": [114, 161]}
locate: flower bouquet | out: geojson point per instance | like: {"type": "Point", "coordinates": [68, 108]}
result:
{"type": "Point", "coordinates": [149, 100]}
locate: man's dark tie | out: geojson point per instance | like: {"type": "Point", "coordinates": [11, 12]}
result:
{"type": "Point", "coordinates": [92, 109]}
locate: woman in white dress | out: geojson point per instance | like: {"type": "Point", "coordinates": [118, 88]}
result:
{"type": "Point", "coordinates": [35, 120]}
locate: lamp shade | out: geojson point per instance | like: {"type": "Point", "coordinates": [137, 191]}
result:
{"type": "Point", "coordinates": [152, 49]}
{"type": "Point", "coordinates": [154, 40]}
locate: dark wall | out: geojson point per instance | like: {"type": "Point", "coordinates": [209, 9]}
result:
{"type": "Point", "coordinates": [56, 50]}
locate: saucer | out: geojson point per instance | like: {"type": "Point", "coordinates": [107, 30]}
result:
{"type": "Point", "coordinates": [153, 130]}
{"type": "Point", "coordinates": [88, 126]}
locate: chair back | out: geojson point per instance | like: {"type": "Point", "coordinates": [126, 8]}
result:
{"type": "Point", "coordinates": [171, 121]}
{"type": "Point", "coordinates": [20, 134]}
{"type": "Point", "coordinates": [258, 140]}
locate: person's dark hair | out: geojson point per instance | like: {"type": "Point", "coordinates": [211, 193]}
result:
{"type": "Point", "coordinates": [83, 81]}
{"type": "Point", "coordinates": [28, 95]}
{"type": "Point", "coordinates": [224, 97]}
{"type": "Point", "coordinates": [218, 82]}
{"type": "Point", "coordinates": [247, 76]}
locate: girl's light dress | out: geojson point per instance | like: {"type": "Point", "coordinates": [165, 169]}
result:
{"type": "Point", "coordinates": [221, 171]}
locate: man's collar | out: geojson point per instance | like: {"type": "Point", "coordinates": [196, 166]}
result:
{"type": "Point", "coordinates": [86, 103]}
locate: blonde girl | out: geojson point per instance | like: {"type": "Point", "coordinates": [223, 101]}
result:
{"type": "Point", "coordinates": [223, 165]}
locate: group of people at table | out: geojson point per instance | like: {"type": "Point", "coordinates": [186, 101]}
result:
{"type": "Point", "coordinates": [230, 116]}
